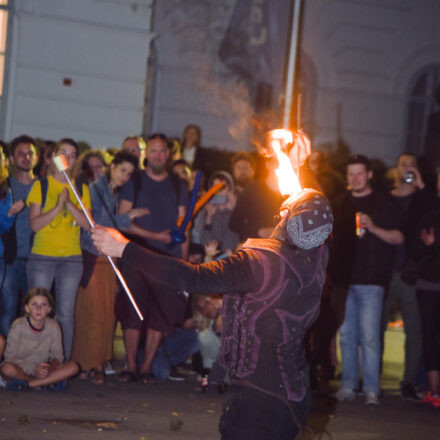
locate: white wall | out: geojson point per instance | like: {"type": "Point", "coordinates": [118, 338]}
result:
{"type": "Point", "coordinates": [366, 54]}
{"type": "Point", "coordinates": [102, 46]}
{"type": "Point", "coordinates": [191, 85]}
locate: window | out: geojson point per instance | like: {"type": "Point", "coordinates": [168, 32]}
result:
{"type": "Point", "coordinates": [422, 103]}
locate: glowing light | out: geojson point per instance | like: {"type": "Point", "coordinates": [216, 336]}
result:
{"type": "Point", "coordinates": [288, 182]}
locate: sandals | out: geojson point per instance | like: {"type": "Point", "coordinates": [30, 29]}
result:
{"type": "Point", "coordinates": [84, 375]}
{"type": "Point", "coordinates": [126, 376]}
{"type": "Point", "coordinates": [147, 378]}
{"type": "Point", "coordinates": [96, 376]}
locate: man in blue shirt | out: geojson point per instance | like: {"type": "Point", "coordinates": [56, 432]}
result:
{"type": "Point", "coordinates": [165, 196]}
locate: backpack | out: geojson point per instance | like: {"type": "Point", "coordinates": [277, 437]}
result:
{"type": "Point", "coordinates": [10, 238]}
{"type": "Point", "coordinates": [44, 184]}
{"type": "Point", "coordinates": [137, 184]}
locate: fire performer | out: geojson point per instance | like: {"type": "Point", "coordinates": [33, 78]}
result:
{"type": "Point", "coordinates": [272, 290]}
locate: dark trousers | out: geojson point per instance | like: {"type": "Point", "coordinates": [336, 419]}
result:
{"type": "Point", "coordinates": [251, 414]}
{"type": "Point", "coordinates": [406, 298]}
{"type": "Point", "coordinates": [429, 304]}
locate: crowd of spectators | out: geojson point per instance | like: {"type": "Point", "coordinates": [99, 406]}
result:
{"type": "Point", "coordinates": [384, 254]}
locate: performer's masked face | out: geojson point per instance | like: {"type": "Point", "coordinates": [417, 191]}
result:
{"type": "Point", "coordinates": [306, 220]}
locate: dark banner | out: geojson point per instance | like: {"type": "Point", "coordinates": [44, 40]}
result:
{"type": "Point", "coordinates": [254, 46]}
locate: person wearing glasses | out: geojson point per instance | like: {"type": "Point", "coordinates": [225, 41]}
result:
{"type": "Point", "coordinates": [136, 146]}
{"type": "Point", "coordinates": [89, 167]}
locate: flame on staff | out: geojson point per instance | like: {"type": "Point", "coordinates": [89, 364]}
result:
{"type": "Point", "coordinates": [288, 181]}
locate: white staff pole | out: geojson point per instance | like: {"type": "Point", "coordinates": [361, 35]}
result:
{"type": "Point", "coordinates": [61, 164]}
{"type": "Point", "coordinates": [293, 49]}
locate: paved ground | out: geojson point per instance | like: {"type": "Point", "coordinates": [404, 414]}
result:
{"type": "Point", "coordinates": [177, 411]}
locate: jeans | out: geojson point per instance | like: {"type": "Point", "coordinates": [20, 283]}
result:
{"type": "Point", "coordinates": [42, 271]}
{"type": "Point", "coordinates": [361, 327]}
{"type": "Point", "coordinates": [406, 298]}
{"type": "Point", "coordinates": [174, 349]}
{"type": "Point", "coordinates": [209, 346]}
{"type": "Point", "coordinates": [14, 287]}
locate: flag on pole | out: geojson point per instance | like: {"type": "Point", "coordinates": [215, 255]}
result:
{"type": "Point", "coordinates": [254, 46]}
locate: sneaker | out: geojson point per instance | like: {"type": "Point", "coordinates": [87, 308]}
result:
{"type": "Point", "coordinates": [108, 369]}
{"type": "Point", "coordinates": [345, 394]}
{"type": "Point", "coordinates": [436, 403]}
{"type": "Point", "coordinates": [57, 386]}
{"type": "Point", "coordinates": [176, 376]}
{"type": "Point", "coordinates": [3, 382]}
{"type": "Point", "coordinates": [429, 399]}
{"type": "Point", "coordinates": [204, 384]}
{"type": "Point", "coordinates": [408, 392]}
{"type": "Point", "coordinates": [17, 385]}
{"type": "Point", "coordinates": [372, 399]}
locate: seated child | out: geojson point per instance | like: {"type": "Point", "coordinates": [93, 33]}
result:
{"type": "Point", "coordinates": [34, 351]}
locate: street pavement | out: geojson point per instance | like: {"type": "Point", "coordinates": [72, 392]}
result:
{"type": "Point", "coordinates": [177, 411]}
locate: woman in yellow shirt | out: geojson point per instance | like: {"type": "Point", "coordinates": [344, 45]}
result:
{"type": "Point", "coordinates": [56, 251]}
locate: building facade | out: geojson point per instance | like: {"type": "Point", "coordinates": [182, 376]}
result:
{"type": "Point", "coordinates": [76, 68]}
{"type": "Point", "coordinates": [98, 70]}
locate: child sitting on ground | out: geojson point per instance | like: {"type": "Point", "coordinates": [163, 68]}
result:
{"type": "Point", "coordinates": [34, 353]}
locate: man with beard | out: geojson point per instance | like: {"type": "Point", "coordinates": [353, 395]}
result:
{"type": "Point", "coordinates": [257, 205]}
{"type": "Point", "coordinates": [165, 196]}
{"type": "Point", "coordinates": [243, 170]}
{"type": "Point", "coordinates": [23, 155]}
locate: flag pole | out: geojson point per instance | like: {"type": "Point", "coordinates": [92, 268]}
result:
{"type": "Point", "coordinates": [293, 49]}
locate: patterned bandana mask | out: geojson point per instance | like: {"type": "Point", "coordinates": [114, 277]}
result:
{"type": "Point", "coordinates": [307, 219]}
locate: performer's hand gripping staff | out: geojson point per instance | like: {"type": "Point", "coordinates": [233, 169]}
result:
{"type": "Point", "coordinates": [61, 164]}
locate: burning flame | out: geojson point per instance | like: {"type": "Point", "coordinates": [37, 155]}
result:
{"type": "Point", "coordinates": [287, 178]}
